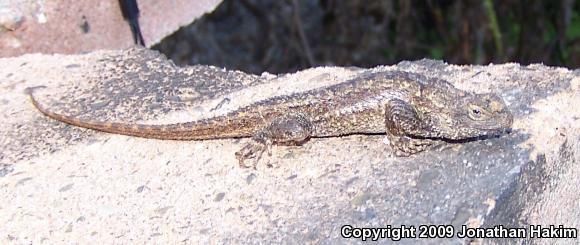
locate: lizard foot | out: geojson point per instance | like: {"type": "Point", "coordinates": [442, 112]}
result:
{"type": "Point", "coordinates": [254, 151]}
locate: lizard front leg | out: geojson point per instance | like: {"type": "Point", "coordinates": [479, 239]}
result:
{"type": "Point", "coordinates": [290, 129]}
{"type": "Point", "coordinates": [406, 131]}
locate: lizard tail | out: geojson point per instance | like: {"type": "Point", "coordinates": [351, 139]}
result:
{"type": "Point", "coordinates": [212, 128]}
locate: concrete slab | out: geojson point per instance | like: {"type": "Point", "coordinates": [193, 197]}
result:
{"type": "Point", "coordinates": [64, 184]}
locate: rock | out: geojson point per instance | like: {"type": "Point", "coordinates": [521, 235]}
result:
{"type": "Point", "coordinates": [64, 183]}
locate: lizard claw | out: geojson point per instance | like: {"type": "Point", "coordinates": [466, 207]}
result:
{"type": "Point", "coordinates": [251, 151]}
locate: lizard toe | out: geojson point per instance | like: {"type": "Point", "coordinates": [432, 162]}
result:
{"type": "Point", "coordinates": [251, 151]}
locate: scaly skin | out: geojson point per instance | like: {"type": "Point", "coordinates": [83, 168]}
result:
{"type": "Point", "coordinates": [415, 112]}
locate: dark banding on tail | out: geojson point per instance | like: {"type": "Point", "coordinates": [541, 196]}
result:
{"type": "Point", "coordinates": [213, 128]}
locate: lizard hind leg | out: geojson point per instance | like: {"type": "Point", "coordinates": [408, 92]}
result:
{"type": "Point", "coordinates": [289, 129]}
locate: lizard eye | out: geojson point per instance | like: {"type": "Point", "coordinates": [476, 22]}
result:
{"type": "Point", "coordinates": [475, 112]}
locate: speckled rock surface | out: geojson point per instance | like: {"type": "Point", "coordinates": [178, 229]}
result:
{"type": "Point", "coordinates": [68, 27]}
{"type": "Point", "coordinates": [60, 183]}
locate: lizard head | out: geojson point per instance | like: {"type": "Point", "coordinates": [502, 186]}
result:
{"type": "Point", "coordinates": [472, 115]}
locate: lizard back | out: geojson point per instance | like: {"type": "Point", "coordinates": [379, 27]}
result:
{"type": "Point", "coordinates": [350, 107]}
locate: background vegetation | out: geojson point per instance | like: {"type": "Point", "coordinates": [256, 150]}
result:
{"type": "Point", "coordinates": [284, 36]}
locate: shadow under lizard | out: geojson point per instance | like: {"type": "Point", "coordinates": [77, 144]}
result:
{"type": "Point", "coordinates": [416, 113]}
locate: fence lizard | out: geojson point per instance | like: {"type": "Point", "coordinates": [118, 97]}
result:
{"type": "Point", "coordinates": [416, 112]}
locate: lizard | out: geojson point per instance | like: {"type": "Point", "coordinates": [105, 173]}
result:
{"type": "Point", "coordinates": [414, 111]}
